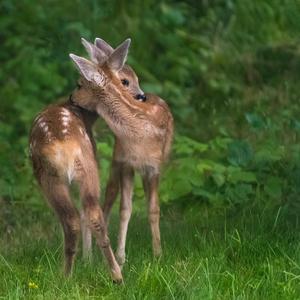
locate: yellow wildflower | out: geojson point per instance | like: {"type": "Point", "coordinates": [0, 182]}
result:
{"type": "Point", "coordinates": [32, 285]}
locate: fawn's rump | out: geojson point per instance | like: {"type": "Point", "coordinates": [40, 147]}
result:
{"type": "Point", "coordinates": [61, 159]}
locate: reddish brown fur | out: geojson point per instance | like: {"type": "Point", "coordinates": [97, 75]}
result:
{"type": "Point", "coordinates": [145, 152]}
{"type": "Point", "coordinates": [62, 150]}
{"type": "Point", "coordinates": [143, 132]}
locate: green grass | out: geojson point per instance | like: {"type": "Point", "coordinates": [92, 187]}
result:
{"type": "Point", "coordinates": [206, 256]}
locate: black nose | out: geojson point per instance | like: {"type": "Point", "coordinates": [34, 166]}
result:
{"type": "Point", "coordinates": [141, 97]}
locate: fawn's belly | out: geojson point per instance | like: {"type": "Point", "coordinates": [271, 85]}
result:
{"type": "Point", "coordinates": [139, 155]}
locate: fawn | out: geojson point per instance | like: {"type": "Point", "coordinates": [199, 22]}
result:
{"type": "Point", "coordinates": [143, 132]}
{"type": "Point", "coordinates": [62, 150]}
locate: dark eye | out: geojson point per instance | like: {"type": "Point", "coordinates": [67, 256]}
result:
{"type": "Point", "coordinates": [125, 82]}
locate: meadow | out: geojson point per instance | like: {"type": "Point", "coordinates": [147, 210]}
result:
{"type": "Point", "coordinates": [245, 255]}
{"type": "Point", "coordinates": [230, 206]}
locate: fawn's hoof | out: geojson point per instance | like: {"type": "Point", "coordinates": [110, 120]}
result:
{"type": "Point", "coordinates": [117, 277]}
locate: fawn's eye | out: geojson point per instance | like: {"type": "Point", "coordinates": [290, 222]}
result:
{"type": "Point", "coordinates": [125, 82]}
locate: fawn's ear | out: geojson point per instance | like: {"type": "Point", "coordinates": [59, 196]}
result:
{"type": "Point", "coordinates": [118, 58]}
{"type": "Point", "coordinates": [95, 54]}
{"type": "Point", "coordinates": [105, 47]}
{"type": "Point", "coordinates": [88, 70]}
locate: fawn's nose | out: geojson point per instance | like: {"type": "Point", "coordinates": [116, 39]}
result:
{"type": "Point", "coordinates": [140, 97]}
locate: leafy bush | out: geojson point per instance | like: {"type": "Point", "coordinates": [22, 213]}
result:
{"type": "Point", "coordinates": [228, 69]}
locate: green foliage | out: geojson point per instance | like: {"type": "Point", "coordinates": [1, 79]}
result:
{"type": "Point", "coordinates": [228, 69]}
{"type": "Point", "coordinates": [229, 173]}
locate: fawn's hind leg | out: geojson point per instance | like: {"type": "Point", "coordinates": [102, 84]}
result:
{"type": "Point", "coordinates": [58, 196]}
{"type": "Point", "coordinates": [89, 191]}
{"type": "Point", "coordinates": [112, 190]}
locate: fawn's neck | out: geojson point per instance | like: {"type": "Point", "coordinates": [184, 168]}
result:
{"type": "Point", "coordinates": [88, 117]}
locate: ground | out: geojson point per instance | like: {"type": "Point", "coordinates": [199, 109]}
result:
{"type": "Point", "coordinates": [229, 255]}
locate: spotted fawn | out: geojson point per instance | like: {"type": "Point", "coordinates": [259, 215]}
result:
{"type": "Point", "coordinates": [63, 152]}
{"type": "Point", "coordinates": [143, 129]}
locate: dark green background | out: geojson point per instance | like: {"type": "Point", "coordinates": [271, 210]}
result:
{"type": "Point", "coordinates": [228, 69]}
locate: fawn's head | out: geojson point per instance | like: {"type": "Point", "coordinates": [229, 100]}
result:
{"type": "Point", "coordinates": [106, 74]}
{"type": "Point", "coordinates": [111, 88]}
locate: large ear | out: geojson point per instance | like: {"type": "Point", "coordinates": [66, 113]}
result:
{"type": "Point", "coordinates": [118, 58]}
{"type": "Point", "coordinates": [88, 70]}
{"type": "Point", "coordinates": [105, 47]}
{"type": "Point", "coordinates": [95, 54]}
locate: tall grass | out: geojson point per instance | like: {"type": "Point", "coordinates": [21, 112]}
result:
{"type": "Point", "coordinates": [245, 255]}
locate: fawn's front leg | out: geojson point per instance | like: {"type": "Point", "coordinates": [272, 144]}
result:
{"type": "Point", "coordinates": [151, 183]}
{"type": "Point", "coordinates": [126, 183]}
{"type": "Point", "coordinates": [112, 189]}
{"type": "Point", "coordinates": [86, 237]}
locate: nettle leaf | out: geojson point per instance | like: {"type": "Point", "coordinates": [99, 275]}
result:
{"type": "Point", "coordinates": [183, 149]}
{"type": "Point", "coordinates": [205, 165]}
{"type": "Point", "coordinates": [255, 120]}
{"type": "Point", "coordinates": [295, 124]}
{"type": "Point", "coordinates": [196, 180]}
{"type": "Point", "coordinates": [295, 179]}
{"type": "Point", "coordinates": [4, 187]}
{"type": "Point", "coordinates": [220, 143]}
{"type": "Point", "coordinates": [240, 153]}
{"type": "Point", "coordinates": [203, 193]}
{"type": "Point", "coordinates": [219, 179]}
{"type": "Point", "coordinates": [239, 193]}
{"type": "Point", "coordinates": [273, 187]}
{"type": "Point", "coordinates": [269, 153]}
{"type": "Point", "coordinates": [180, 188]}
{"type": "Point", "coordinates": [209, 165]}
{"type": "Point", "coordinates": [185, 145]}
{"type": "Point", "coordinates": [236, 175]}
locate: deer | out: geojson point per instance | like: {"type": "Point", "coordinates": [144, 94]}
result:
{"type": "Point", "coordinates": [143, 131]}
{"type": "Point", "coordinates": [63, 152]}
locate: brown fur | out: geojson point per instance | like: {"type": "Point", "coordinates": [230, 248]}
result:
{"type": "Point", "coordinates": [62, 150]}
{"type": "Point", "coordinates": [143, 136]}
{"type": "Point", "coordinates": [143, 131]}
{"type": "Point", "coordinates": [145, 151]}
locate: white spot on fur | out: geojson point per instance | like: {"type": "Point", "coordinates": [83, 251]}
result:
{"type": "Point", "coordinates": [37, 118]}
{"type": "Point", "coordinates": [65, 118]}
{"type": "Point", "coordinates": [65, 112]}
{"type": "Point", "coordinates": [65, 130]}
{"type": "Point", "coordinates": [42, 124]}
{"type": "Point", "coordinates": [32, 146]}
{"type": "Point", "coordinates": [86, 136]}
{"type": "Point", "coordinates": [81, 131]}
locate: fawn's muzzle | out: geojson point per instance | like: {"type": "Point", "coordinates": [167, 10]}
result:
{"type": "Point", "coordinates": [140, 97]}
